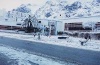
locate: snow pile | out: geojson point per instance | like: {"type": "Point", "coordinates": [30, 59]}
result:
{"type": "Point", "coordinates": [24, 58]}
{"type": "Point", "coordinates": [69, 42]}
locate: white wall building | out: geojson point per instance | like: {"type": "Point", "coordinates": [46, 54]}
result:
{"type": "Point", "coordinates": [56, 25]}
{"type": "Point", "coordinates": [85, 21]}
{"type": "Point", "coordinates": [12, 18]}
{"type": "Point", "coordinates": [15, 16]}
{"type": "Point", "coordinates": [60, 23]}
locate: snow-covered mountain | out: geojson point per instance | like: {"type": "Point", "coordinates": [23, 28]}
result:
{"type": "Point", "coordinates": [23, 8]}
{"type": "Point", "coordinates": [62, 9]}
{"type": "Point", "coordinates": [27, 8]}
{"type": "Point", "coordinates": [59, 9]}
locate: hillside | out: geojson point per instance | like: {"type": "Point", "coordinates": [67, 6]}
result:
{"type": "Point", "coordinates": [59, 9]}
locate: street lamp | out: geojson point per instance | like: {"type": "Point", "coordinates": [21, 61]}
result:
{"type": "Point", "coordinates": [39, 29]}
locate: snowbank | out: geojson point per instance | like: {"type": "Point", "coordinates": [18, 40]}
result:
{"type": "Point", "coordinates": [69, 42]}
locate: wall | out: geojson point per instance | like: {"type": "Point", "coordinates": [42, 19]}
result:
{"type": "Point", "coordinates": [83, 20]}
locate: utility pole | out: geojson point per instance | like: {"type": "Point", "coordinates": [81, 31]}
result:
{"type": "Point", "coordinates": [39, 35]}
{"type": "Point", "coordinates": [49, 30]}
{"type": "Point", "coordinates": [39, 30]}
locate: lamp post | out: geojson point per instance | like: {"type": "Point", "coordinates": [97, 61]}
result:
{"type": "Point", "coordinates": [39, 29]}
{"type": "Point", "coordinates": [49, 30]}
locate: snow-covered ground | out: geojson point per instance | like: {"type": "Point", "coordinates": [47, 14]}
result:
{"type": "Point", "coordinates": [22, 57]}
{"type": "Point", "coordinates": [69, 42]}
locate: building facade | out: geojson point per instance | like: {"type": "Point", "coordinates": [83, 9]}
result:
{"type": "Point", "coordinates": [80, 24]}
{"type": "Point", "coordinates": [16, 16]}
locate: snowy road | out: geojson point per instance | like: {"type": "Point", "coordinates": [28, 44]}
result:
{"type": "Point", "coordinates": [13, 56]}
{"type": "Point", "coordinates": [4, 59]}
{"type": "Point", "coordinates": [85, 57]}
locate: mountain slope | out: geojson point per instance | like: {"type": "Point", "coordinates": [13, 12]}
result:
{"type": "Point", "coordinates": [63, 9]}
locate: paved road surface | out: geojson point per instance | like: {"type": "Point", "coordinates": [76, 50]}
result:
{"type": "Point", "coordinates": [65, 53]}
{"type": "Point", "coordinates": [4, 59]}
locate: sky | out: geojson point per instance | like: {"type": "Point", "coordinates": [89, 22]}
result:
{"type": "Point", "coordinates": [10, 4]}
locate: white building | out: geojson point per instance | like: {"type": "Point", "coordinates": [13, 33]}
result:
{"type": "Point", "coordinates": [81, 22]}
{"type": "Point", "coordinates": [55, 25]}
{"type": "Point", "coordinates": [16, 16]}
{"type": "Point", "coordinates": [12, 19]}
{"type": "Point", "coordinates": [72, 24]}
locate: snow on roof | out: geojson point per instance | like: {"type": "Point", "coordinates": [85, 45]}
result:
{"type": "Point", "coordinates": [76, 19]}
{"type": "Point", "coordinates": [69, 20]}
{"type": "Point", "coordinates": [7, 23]}
{"type": "Point", "coordinates": [83, 19]}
